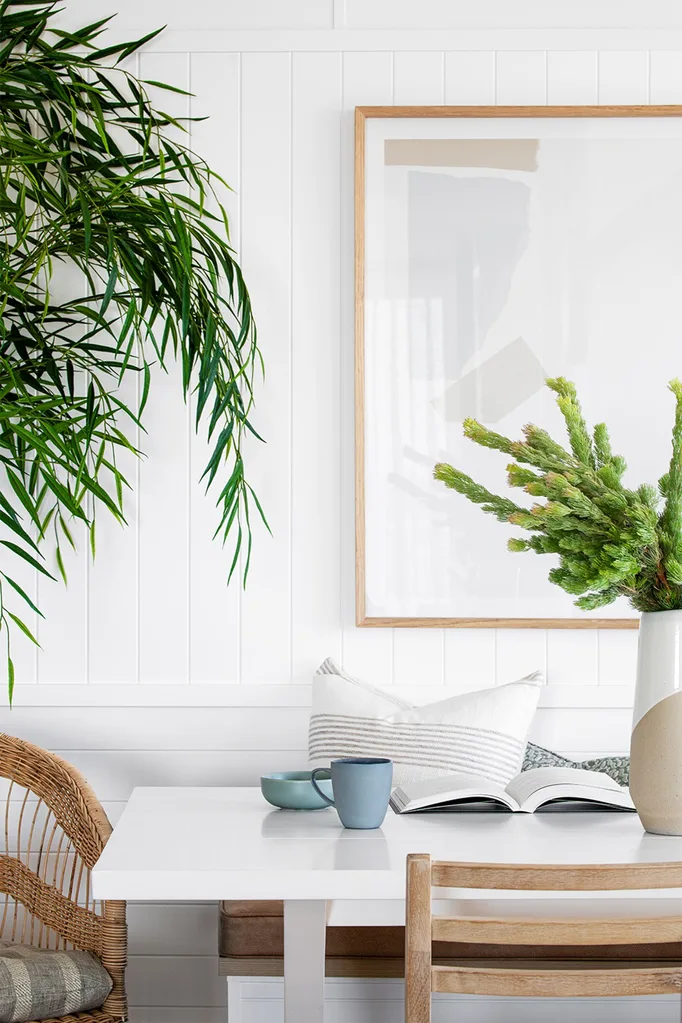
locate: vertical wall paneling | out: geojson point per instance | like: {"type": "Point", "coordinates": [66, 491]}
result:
{"type": "Point", "coordinates": [419, 78]}
{"type": "Point", "coordinates": [339, 13]}
{"type": "Point", "coordinates": [113, 575]}
{"type": "Point", "coordinates": [665, 76]}
{"type": "Point", "coordinates": [572, 77]}
{"type": "Point", "coordinates": [112, 641]}
{"type": "Point", "coordinates": [470, 77]}
{"type": "Point", "coordinates": [164, 492]}
{"type": "Point", "coordinates": [624, 76]}
{"type": "Point", "coordinates": [213, 627]}
{"type": "Point", "coordinates": [521, 77]}
{"type": "Point", "coordinates": [367, 80]}
{"type": "Point", "coordinates": [266, 257]}
{"type": "Point", "coordinates": [469, 659]}
{"type": "Point", "coordinates": [63, 632]}
{"type": "Point", "coordinates": [519, 652]}
{"type": "Point", "coordinates": [418, 653]}
{"type": "Point", "coordinates": [24, 653]}
{"type": "Point", "coordinates": [572, 657]}
{"type": "Point", "coordinates": [316, 498]}
{"type": "Point", "coordinates": [617, 657]}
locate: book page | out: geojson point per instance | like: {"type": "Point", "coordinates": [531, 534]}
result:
{"type": "Point", "coordinates": [584, 783]}
{"type": "Point", "coordinates": [436, 791]}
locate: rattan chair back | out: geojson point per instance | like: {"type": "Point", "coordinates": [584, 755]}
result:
{"type": "Point", "coordinates": [54, 831]}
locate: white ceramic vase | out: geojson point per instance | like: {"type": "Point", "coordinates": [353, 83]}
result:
{"type": "Point", "coordinates": [656, 744]}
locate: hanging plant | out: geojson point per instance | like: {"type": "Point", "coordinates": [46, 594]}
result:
{"type": "Point", "coordinates": [94, 191]}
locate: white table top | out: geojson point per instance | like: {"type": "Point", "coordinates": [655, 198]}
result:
{"type": "Point", "coordinates": [228, 843]}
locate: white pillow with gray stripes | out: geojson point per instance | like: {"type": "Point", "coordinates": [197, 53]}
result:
{"type": "Point", "coordinates": [40, 983]}
{"type": "Point", "coordinates": [482, 733]}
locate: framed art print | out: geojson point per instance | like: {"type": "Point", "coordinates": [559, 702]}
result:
{"type": "Point", "coordinates": [496, 247]}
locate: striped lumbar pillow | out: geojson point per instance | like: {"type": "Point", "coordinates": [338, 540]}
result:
{"type": "Point", "coordinates": [480, 733]}
{"type": "Point", "coordinates": [40, 983]}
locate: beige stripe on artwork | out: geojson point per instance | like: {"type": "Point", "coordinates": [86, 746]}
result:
{"type": "Point", "coordinates": [502, 154]}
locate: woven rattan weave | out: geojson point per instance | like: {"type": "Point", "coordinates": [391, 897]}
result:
{"type": "Point", "coordinates": [54, 832]}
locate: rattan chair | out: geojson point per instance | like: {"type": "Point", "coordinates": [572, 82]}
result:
{"type": "Point", "coordinates": [54, 832]}
{"type": "Point", "coordinates": [537, 977]}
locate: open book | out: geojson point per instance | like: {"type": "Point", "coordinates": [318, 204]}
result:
{"type": "Point", "coordinates": [541, 787]}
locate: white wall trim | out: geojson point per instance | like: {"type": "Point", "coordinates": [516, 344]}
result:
{"type": "Point", "coordinates": [225, 694]}
{"type": "Point", "coordinates": [375, 40]}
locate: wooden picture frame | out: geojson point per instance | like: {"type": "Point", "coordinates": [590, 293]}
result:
{"type": "Point", "coordinates": [362, 116]}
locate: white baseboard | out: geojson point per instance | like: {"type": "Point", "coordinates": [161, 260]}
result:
{"type": "Point", "coordinates": [260, 1000]}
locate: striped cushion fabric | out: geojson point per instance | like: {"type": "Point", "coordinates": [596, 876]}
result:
{"type": "Point", "coordinates": [480, 733]}
{"type": "Point", "coordinates": [39, 983]}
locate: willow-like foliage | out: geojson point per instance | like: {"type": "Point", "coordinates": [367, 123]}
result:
{"type": "Point", "coordinates": [114, 256]}
{"type": "Point", "coordinates": [610, 541]}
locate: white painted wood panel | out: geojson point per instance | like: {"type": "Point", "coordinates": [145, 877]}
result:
{"type": "Point", "coordinates": [265, 189]}
{"type": "Point", "coordinates": [590, 731]}
{"type": "Point", "coordinates": [256, 14]}
{"type": "Point", "coordinates": [115, 773]}
{"type": "Point", "coordinates": [175, 929]}
{"type": "Point", "coordinates": [521, 78]}
{"type": "Point", "coordinates": [665, 76]}
{"type": "Point", "coordinates": [367, 80]}
{"type": "Point", "coordinates": [470, 659]}
{"type": "Point", "coordinates": [572, 77]}
{"type": "Point", "coordinates": [376, 1001]}
{"type": "Point", "coordinates": [624, 77]}
{"type": "Point", "coordinates": [175, 981]}
{"type": "Point", "coordinates": [405, 14]}
{"type": "Point", "coordinates": [572, 657]}
{"type": "Point", "coordinates": [316, 359]}
{"type": "Point", "coordinates": [63, 632]}
{"type": "Point", "coordinates": [617, 658]}
{"type": "Point", "coordinates": [165, 1014]}
{"type": "Point", "coordinates": [517, 654]}
{"type": "Point", "coordinates": [229, 728]}
{"type": "Point", "coordinates": [470, 77]}
{"type": "Point", "coordinates": [164, 494]}
{"type": "Point", "coordinates": [113, 608]}
{"type": "Point", "coordinates": [214, 607]}
{"type": "Point", "coordinates": [418, 78]}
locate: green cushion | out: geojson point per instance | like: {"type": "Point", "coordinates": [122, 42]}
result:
{"type": "Point", "coordinates": [617, 768]}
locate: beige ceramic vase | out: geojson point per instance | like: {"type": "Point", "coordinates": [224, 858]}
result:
{"type": "Point", "coordinates": [656, 744]}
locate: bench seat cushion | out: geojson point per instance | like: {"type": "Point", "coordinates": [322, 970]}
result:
{"type": "Point", "coordinates": [256, 929]}
{"type": "Point", "coordinates": [39, 983]}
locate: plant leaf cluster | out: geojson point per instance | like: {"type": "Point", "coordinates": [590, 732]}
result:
{"type": "Point", "coordinates": [610, 540]}
{"type": "Point", "coordinates": [114, 257]}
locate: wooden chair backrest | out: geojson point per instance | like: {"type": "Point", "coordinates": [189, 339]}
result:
{"type": "Point", "coordinates": [422, 928]}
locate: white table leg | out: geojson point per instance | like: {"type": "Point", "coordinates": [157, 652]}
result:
{"type": "Point", "coordinates": [305, 924]}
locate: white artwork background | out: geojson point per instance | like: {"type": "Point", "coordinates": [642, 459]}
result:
{"type": "Point", "coordinates": [573, 269]}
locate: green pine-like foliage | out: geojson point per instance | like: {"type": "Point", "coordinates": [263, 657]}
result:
{"type": "Point", "coordinates": [611, 541]}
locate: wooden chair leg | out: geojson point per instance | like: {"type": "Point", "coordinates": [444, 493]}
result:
{"type": "Point", "coordinates": [418, 940]}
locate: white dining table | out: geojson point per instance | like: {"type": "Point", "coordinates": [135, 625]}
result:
{"type": "Point", "coordinates": [177, 844]}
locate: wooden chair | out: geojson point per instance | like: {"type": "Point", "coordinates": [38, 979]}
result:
{"type": "Point", "coordinates": [54, 832]}
{"type": "Point", "coordinates": [535, 977]}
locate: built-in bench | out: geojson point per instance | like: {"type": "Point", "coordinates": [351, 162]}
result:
{"type": "Point", "coordinates": [252, 945]}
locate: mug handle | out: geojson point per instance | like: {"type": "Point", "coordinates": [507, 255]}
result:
{"type": "Point", "coordinates": [321, 794]}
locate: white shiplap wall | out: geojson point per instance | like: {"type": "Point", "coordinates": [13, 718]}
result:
{"type": "Point", "coordinates": [153, 672]}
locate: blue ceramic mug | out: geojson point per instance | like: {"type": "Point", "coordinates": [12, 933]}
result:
{"type": "Point", "coordinates": [361, 787]}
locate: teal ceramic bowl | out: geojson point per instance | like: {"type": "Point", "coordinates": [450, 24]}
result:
{"type": "Point", "coordinates": [293, 790]}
